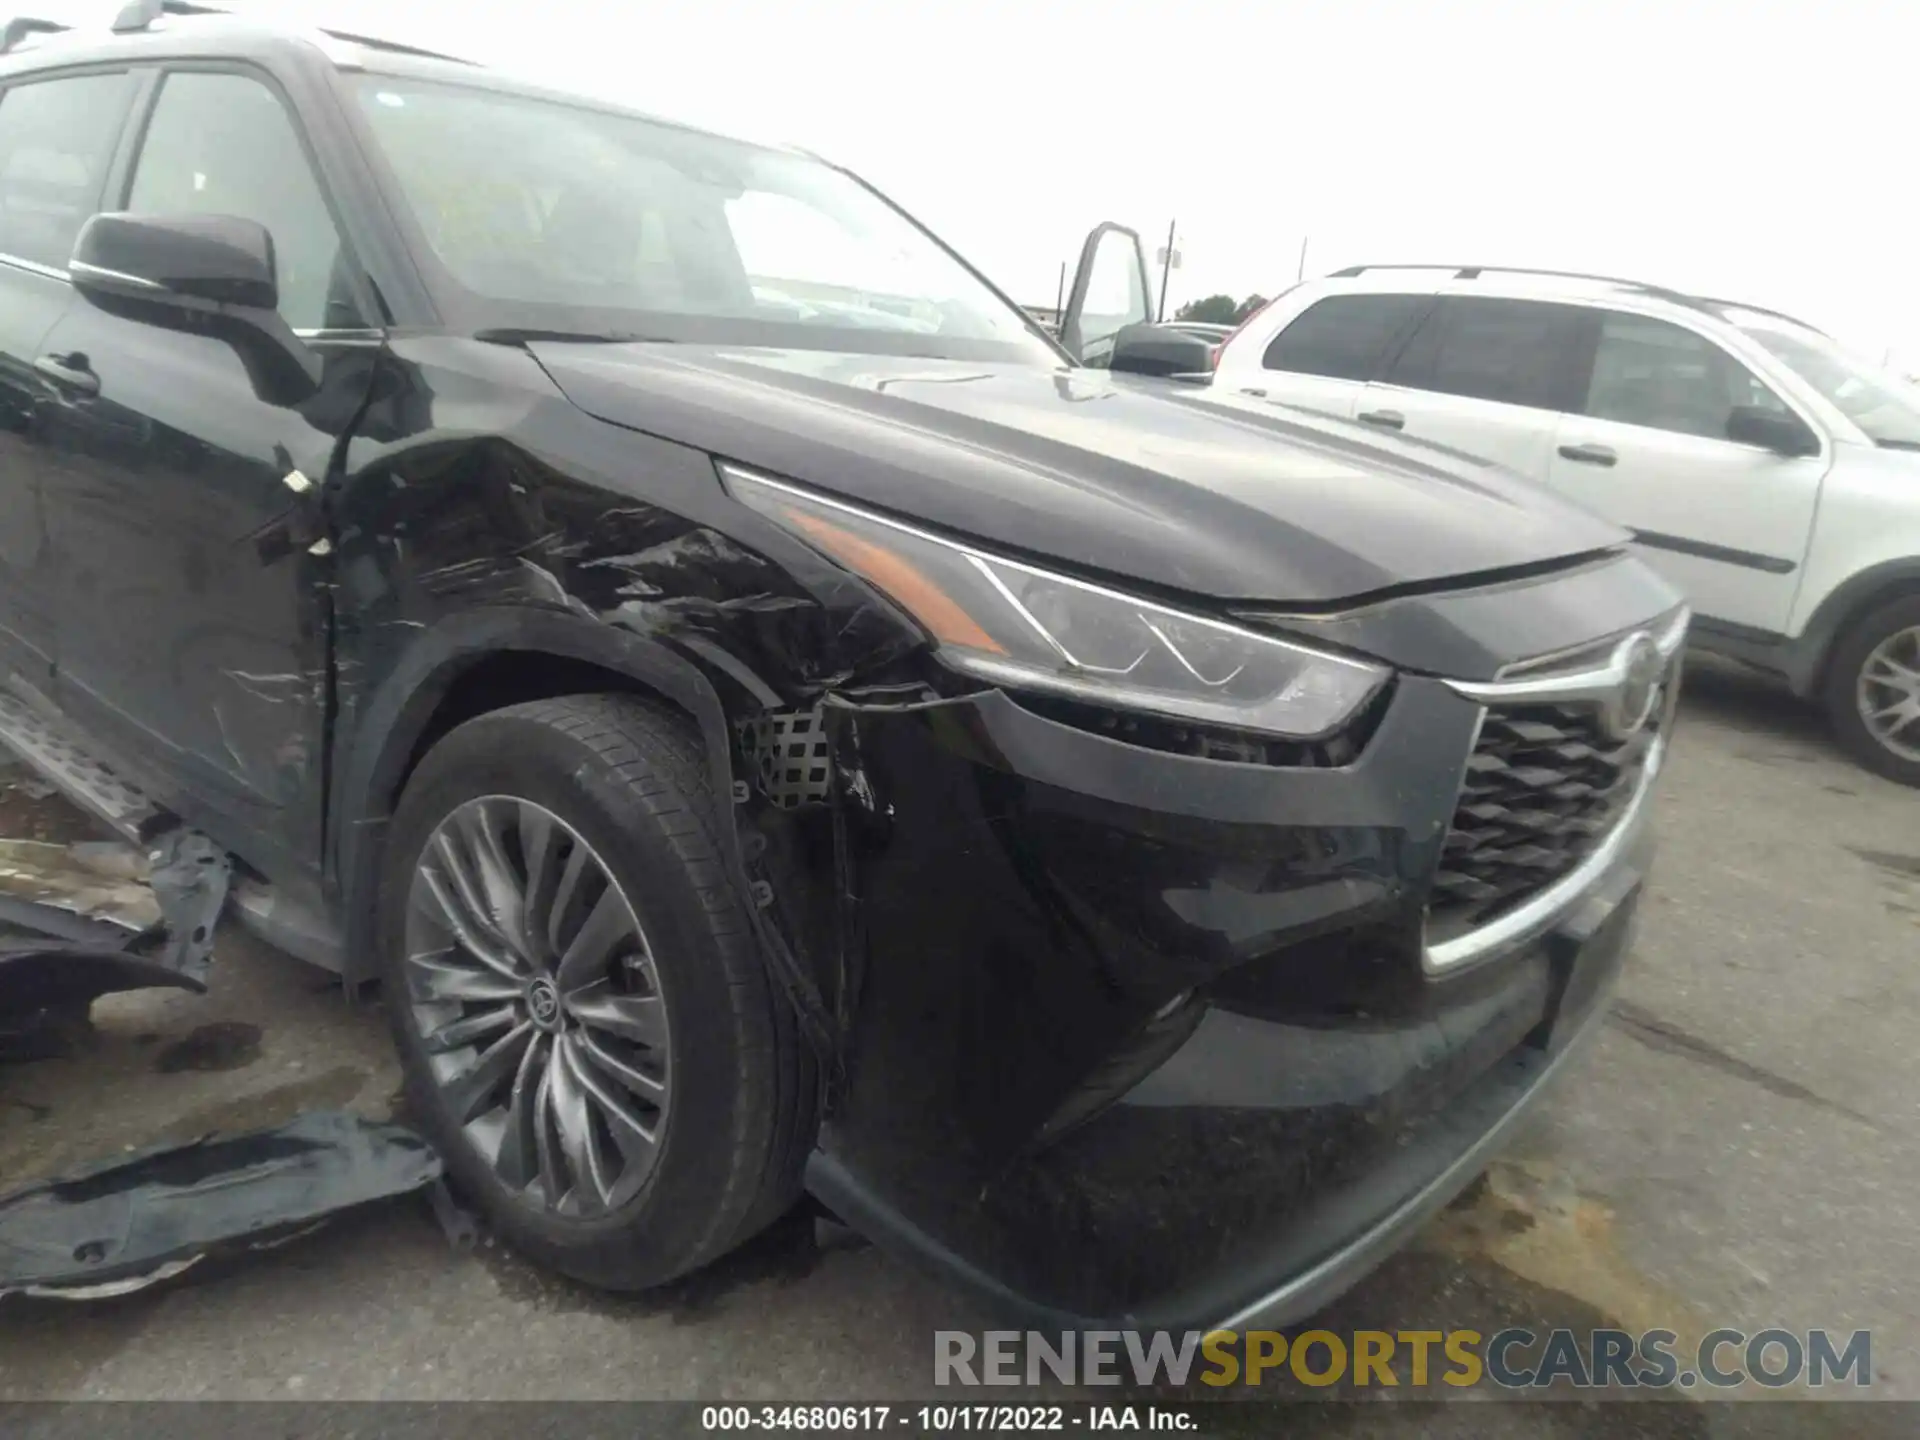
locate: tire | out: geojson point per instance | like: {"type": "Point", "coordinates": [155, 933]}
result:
{"type": "Point", "coordinates": [1843, 688]}
{"type": "Point", "coordinates": [629, 779]}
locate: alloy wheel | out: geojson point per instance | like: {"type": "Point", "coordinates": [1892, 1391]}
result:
{"type": "Point", "coordinates": [537, 999]}
{"type": "Point", "coordinates": [1888, 692]}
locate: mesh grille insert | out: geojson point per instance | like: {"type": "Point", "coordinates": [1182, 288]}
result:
{"type": "Point", "coordinates": [1544, 786]}
{"type": "Point", "coordinates": [790, 755]}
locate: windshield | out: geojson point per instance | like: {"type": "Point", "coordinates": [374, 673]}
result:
{"type": "Point", "coordinates": [558, 217]}
{"type": "Point", "coordinates": [1884, 406]}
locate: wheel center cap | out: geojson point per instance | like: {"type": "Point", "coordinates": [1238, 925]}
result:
{"type": "Point", "coordinates": [543, 1004]}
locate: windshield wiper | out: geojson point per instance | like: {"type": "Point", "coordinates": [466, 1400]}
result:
{"type": "Point", "coordinates": [1898, 444]}
{"type": "Point", "coordinates": [508, 335]}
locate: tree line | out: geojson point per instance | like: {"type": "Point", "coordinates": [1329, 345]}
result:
{"type": "Point", "coordinates": [1220, 309]}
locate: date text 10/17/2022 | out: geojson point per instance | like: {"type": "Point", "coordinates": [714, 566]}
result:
{"type": "Point", "coordinates": [940, 1419]}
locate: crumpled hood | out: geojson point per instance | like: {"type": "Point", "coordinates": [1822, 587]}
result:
{"type": "Point", "coordinates": [1155, 481]}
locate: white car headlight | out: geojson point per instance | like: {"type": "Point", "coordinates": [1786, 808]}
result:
{"type": "Point", "coordinates": [1020, 626]}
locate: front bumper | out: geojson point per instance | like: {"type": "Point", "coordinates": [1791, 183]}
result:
{"type": "Point", "coordinates": [1144, 1039]}
{"type": "Point", "coordinates": [1327, 1246]}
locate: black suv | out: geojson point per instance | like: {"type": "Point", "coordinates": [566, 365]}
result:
{"type": "Point", "coordinates": [766, 714]}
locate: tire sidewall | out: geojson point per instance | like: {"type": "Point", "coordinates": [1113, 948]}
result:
{"type": "Point", "coordinates": [678, 1209]}
{"type": "Point", "coordinates": [1842, 689]}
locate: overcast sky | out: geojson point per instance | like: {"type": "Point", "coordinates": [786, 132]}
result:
{"type": "Point", "coordinates": [1746, 148]}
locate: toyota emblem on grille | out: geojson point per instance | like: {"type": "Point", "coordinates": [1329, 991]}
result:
{"type": "Point", "coordinates": [1631, 705]}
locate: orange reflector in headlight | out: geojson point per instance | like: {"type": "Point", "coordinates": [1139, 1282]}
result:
{"type": "Point", "coordinates": [900, 578]}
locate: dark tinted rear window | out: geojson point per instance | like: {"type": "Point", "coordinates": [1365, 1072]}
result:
{"type": "Point", "coordinates": [1345, 337]}
{"type": "Point", "coordinates": [1521, 352]}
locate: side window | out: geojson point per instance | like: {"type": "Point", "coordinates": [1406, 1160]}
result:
{"type": "Point", "coordinates": [56, 140]}
{"type": "Point", "coordinates": [1345, 337]}
{"type": "Point", "coordinates": [1648, 372]}
{"type": "Point", "coordinates": [221, 144]}
{"type": "Point", "coordinates": [1519, 352]}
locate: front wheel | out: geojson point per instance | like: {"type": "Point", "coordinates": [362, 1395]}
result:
{"type": "Point", "coordinates": [1873, 690]}
{"type": "Point", "coordinates": [588, 1034]}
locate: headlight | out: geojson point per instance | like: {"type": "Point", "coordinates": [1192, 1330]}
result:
{"type": "Point", "coordinates": [1024, 627]}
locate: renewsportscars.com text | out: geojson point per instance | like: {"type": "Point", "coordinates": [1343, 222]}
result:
{"type": "Point", "coordinates": [1514, 1359]}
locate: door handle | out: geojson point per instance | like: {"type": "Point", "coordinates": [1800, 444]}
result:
{"type": "Point", "coordinates": [1590, 454]}
{"type": "Point", "coordinates": [70, 372]}
{"type": "Point", "coordinates": [1385, 419]}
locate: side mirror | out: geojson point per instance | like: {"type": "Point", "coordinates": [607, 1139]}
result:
{"type": "Point", "coordinates": [1110, 292]}
{"type": "Point", "coordinates": [1782, 433]}
{"type": "Point", "coordinates": [1161, 350]}
{"type": "Point", "coordinates": [208, 274]}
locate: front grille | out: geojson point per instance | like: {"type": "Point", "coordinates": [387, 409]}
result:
{"type": "Point", "coordinates": [1544, 786]}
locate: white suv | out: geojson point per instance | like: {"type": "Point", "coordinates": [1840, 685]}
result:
{"type": "Point", "coordinates": [1772, 476]}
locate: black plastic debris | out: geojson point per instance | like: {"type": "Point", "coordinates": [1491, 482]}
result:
{"type": "Point", "coordinates": [39, 918]}
{"type": "Point", "coordinates": [137, 1221]}
{"type": "Point", "coordinates": [41, 987]}
{"type": "Point", "coordinates": [53, 973]}
{"type": "Point", "coordinates": [190, 876]}
{"type": "Point", "coordinates": [52, 976]}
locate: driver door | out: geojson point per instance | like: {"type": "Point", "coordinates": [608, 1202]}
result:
{"type": "Point", "coordinates": [1110, 292]}
{"type": "Point", "coordinates": [194, 643]}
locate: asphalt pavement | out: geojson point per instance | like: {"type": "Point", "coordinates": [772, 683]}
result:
{"type": "Point", "coordinates": [1741, 1148]}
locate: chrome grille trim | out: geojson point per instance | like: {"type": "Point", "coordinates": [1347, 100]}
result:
{"type": "Point", "coordinates": [1573, 687]}
{"type": "Point", "coordinates": [1590, 686]}
{"type": "Point", "coordinates": [1531, 918]}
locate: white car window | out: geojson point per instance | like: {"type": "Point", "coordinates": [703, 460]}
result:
{"type": "Point", "coordinates": [1648, 372]}
{"type": "Point", "coordinates": [1516, 352]}
{"type": "Point", "coordinates": [1345, 337]}
{"type": "Point", "coordinates": [1884, 405]}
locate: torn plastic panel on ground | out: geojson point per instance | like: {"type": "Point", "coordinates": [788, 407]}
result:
{"type": "Point", "coordinates": [43, 984]}
{"type": "Point", "coordinates": [163, 905]}
{"type": "Point", "coordinates": [59, 959]}
{"type": "Point", "coordinates": [135, 1222]}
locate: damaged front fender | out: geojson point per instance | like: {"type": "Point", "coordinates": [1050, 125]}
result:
{"type": "Point", "coordinates": [494, 545]}
{"type": "Point", "coordinates": [412, 702]}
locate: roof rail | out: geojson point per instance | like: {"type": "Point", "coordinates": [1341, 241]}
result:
{"type": "Point", "coordinates": [393, 47]}
{"type": "Point", "coordinates": [1474, 272]}
{"type": "Point", "coordinates": [1761, 310]}
{"type": "Point", "coordinates": [142, 13]}
{"type": "Point", "coordinates": [19, 29]}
